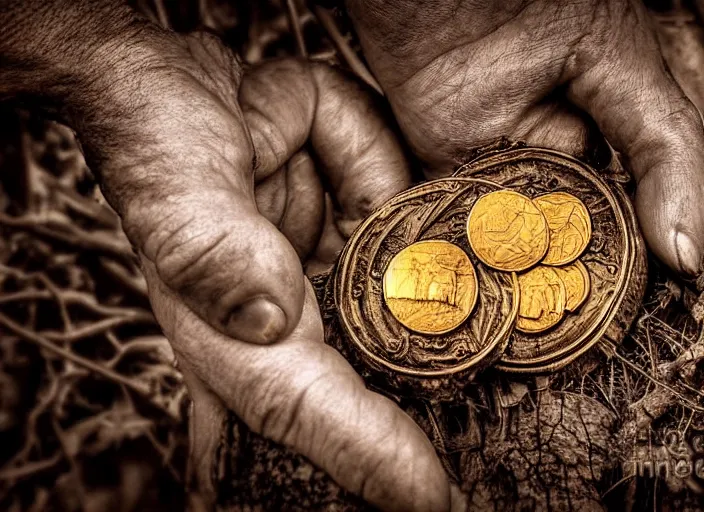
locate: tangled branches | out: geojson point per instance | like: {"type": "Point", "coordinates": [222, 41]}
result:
{"type": "Point", "coordinates": [84, 370]}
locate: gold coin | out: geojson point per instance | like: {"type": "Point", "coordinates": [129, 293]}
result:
{"type": "Point", "coordinates": [570, 226]}
{"type": "Point", "coordinates": [577, 283]}
{"type": "Point", "coordinates": [507, 231]}
{"type": "Point", "coordinates": [542, 299]}
{"type": "Point", "coordinates": [430, 286]}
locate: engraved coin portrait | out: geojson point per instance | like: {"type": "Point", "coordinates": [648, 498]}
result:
{"type": "Point", "coordinates": [430, 286]}
{"type": "Point", "coordinates": [507, 231]}
{"type": "Point", "coordinates": [570, 226]}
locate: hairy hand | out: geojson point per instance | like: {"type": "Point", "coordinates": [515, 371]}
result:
{"type": "Point", "coordinates": [460, 74]}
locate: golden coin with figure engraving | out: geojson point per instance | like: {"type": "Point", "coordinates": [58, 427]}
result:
{"type": "Point", "coordinates": [542, 299]}
{"type": "Point", "coordinates": [570, 226]}
{"type": "Point", "coordinates": [430, 286]}
{"type": "Point", "coordinates": [507, 231]}
{"type": "Point", "coordinates": [577, 283]}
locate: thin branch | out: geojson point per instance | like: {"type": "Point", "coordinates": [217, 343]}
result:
{"type": "Point", "coordinates": [56, 293]}
{"type": "Point", "coordinates": [295, 26]}
{"type": "Point", "coordinates": [162, 14]}
{"type": "Point", "coordinates": [156, 345]}
{"type": "Point", "coordinates": [84, 206]}
{"type": "Point", "coordinates": [139, 388]}
{"type": "Point", "coordinates": [78, 486]}
{"type": "Point", "coordinates": [28, 469]}
{"type": "Point", "coordinates": [69, 233]}
{"type": "Point", "coordinates": [661, 384]}
{"type": "Point", "coordinates": [77, 298]}
{"type": "Point", "coordinates": [132, 281]}
{"type": "Point", "coordinates": [166, 454]}
{"type": "Point", "coordinates": [353, 61]}
{"type": "Point", "coordinates": [45, 400]}
{"type": "Point", "coordinates": [97, 327]}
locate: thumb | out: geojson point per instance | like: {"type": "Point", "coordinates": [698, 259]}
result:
{"type": "Point", "coordinates": [302, 393]}
{"type": "Point", "coordinates": [645, 115]}
{"type": "Point", "coordinates": [185, 190]}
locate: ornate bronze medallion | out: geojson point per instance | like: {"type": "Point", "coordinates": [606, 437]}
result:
{"type": "Point", "coordinates": [406, 286]}
{"type": "Point", "coordinates": [525, 259]}
{"type": "Point", "coordinates": [591, 223]}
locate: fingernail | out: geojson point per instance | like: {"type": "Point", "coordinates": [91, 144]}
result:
{"type": "Point", "coordinates": [257, 321]}
{"type": "Point", "coordinates": [688, 254]}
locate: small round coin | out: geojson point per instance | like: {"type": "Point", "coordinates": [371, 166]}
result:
{"type": "Point", "coordinates": [570, 226]}
{"type": "Point", "coordinates": [507, 231]}
{"type": "Point", "coordinates": [577, 283]}
{"type": "Point", "coordinates": [542, 300]}
{"type": "Point", "coordinates": [430, 286]}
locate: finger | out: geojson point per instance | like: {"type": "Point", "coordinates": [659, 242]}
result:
{"type": "Point", "coordinates": [303, 394]}
{"type": "Point", "coordinates": [185, 192]}
{"type": "Point", "coordinates": [293, 200]}
{"type": "Point", "coordinates": [278, 102]}
{"type": "Point", "coordinates": [330, 244]}
{"type": "Point", "coordinates": [350, 136]}
{"type": "Point", "coordinates": [361, 156]}
{"type": "Point", "coordinates": [646, 116]}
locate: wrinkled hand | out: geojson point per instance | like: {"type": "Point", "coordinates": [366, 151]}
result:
{"type": "Point", "coordinates": [210, 252]}
{"type": "Point", "coordinates": [213, 251]}
{"type": "Point", "coordinates": [178, 154]}
{"type": "Point", "coordinates": [460, 74]}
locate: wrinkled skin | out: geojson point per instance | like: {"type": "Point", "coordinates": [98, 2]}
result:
{"type": "Point", "coordinates": [179, 153]}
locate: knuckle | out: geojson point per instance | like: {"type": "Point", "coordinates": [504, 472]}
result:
{"type": "Point", "coordinates": [185, 252]}
{"type": "Point", "coordinates": [272, 146]}
{"type": "Point", "coordinates": [218, 66]}
{"type": "Point", "coordinates": [189, 263]}
{"type": "Point", "coordinates": [275, 415]}
{"type": "Point", "coordinates": [284, 408]}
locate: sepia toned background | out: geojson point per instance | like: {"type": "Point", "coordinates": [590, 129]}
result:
{"type": "Point", "coordinates": [93, 412]}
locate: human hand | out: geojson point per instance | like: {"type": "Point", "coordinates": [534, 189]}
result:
{"type": "Point", "coordinates": [551, 73]}
{"type": "Point", "coordinates": [159, 118]}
